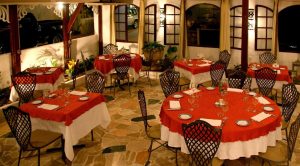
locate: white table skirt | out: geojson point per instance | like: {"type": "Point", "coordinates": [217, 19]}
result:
{"type": "Point", "coordinates": [39, 86]}
{"type": "Point", "coordinates": [228, 150]}
{"type": "Point", "coordinates": [277, 85]}
{"type": "Point", "coordinates": [195, 78]}
{"type": "Point", "coordinates": [80, 127]}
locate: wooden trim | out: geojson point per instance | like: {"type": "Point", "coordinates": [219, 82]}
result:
{"type": "Point", "coordinates": [244, 52]}
{"type": "Point", "coordinates": [74, 16]}
{"type": "Point", "coordinates": [100, 30]}
{"type": "Point", "coordinates": [14, 39]}
{"type": "Point", "coordinates": [66, 33]}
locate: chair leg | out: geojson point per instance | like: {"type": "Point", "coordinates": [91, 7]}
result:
{"type": "Point", "coordinates": [114, 87]}
{"type": "Point", "coordinates": [129, 86]}
{"type": "Point", "coordinates": [92, 134]}
{"type": "Point", "coordinates": [39, 157]}
{"type": "Point", "coordinates": [20, 154]}
{"type": "Point", "coordinates": [63, 155]}
{"type": "Point", "coordinates": [149, 151]}
{"type": "Point", "coordinates": [176, 157]}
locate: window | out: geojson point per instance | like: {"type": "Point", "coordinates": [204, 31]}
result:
{"type": "Point", "coordinates": [126, 21]}
{"type": "Point", "coordinates": [288, 29]}
{"type": "Point", "coordinates": [150, 23]}
{"type": "Point", "coordinates": [171, 25]}
{"type": "Point", "coordinates": [84, 23]}
{"type": "Point", "coordinates": [263, 28]}
{"type": "Point", "coordinates": [4, 39]}
{"type": "Point", "coordinates": [203, 25]}
{"type": "Point", "coordinates": [236, 27]}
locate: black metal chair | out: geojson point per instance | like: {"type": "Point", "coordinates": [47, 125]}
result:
{"type": "Point", "coordinates": [247, 83]}
{"type": "Point", "coordinates": [216, 73]}
{"type": "Point", "coordinates": [265, 79]}
{"type": "Point", "coordinates": [24, 84]}
{"type": "Point", "coordinates": [169, 81]}
{"type": "Point", "coordinates": [267, 58]}
{"type": "Point", "coordinates": [95, 82]}
{"type": "Point", "coordinates": [237, 79]}
{"type": "Point", "coordinates": [283, 151]}
{"type": "Point", "coordinates": [290, 97]}
{"type": "Point", "coordinates": [28, 140]}
{"type": "Point", "coordinates": [121, 64]}
{"type": "Point", "coordinates": [225, 57]}
{"type": "Point", "coordinates": [110, 49]}
{"type": "Point", "coordinates": [202, 141]}
{"type": "Point", "coordinates": [152, 132]}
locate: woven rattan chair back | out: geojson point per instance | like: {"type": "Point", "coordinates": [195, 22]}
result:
{"type": "Point", "coordinates": [292, 137]}
{"type": "Point", "coordinates": [265, 79]}
{"type": "Point", "coordinates": [202, 141]}
{"type": "Point", "coordinates": [143, 108]}
{"type": "Point", "coordinates": [95, 81]}
{"type": "Point", "coordinates": [20, 125]}
{"type": "Point", "coordinates": [24, 84]}
{"type": "Point", "coordinates": [267, 58]}
{"type": "Point", "coordinates": [110, 49]}
{"type": "Point", "coordinates": [122, 64]}
{"type": "Point", "coordinates": [216, 72]}
{"type": "Point", "coordinates": [237, 79]}
{"type": "Point", "coordinates": [225, 57]}
{"type": "Point", "coordinates": [247, 83]}
{"type": "Point", "coordinates": [290, 97]}
{"type": "Point", "coordinates": [169, 81]}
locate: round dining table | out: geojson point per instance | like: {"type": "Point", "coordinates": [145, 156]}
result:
{"type": "Point", "coordinates": [249, 123]}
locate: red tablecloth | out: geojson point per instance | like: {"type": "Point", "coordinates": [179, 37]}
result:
{"type": "Point", "coordinates": [283, 76]}
{"type": "Point", "coordinates": [194, 68]}
{"type": "Point", "coordinates": [65, 114]}
{"type": "Point", "coordinates": [207, 109]}
{"type": "Point", "coordinates": [46, 77]}
{"type": "Point", "coordinates": [106, 65]}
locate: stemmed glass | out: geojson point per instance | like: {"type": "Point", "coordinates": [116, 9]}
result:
{"type": "Point", "coordinates": [66, 96]}
{"type": "Point", "coordinates": [246, 93]}
{"type": "Point", "coordinates": [191, 100]}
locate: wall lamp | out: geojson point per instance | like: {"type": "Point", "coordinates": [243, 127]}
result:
{"type": "Point", "coordinates": [250, 19]}
{"type": "Point", "coordinates": [162, 16]}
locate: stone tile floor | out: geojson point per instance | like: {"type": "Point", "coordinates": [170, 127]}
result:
{"type": "Point", "coordinates": [124, 141]}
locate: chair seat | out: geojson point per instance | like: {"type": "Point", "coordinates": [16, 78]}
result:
{"type": "Point", "coordinates": [276, 153]}
{"type": "Point", "coordinates": [154, 131]}
{"type": "Point", "coordinates": [41, 138]}
{"type": "Point", "coordinates": [217, 162]}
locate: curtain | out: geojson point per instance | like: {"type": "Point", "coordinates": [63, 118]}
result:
{"type": "Point", "coordinates": [275, 28]}
{"type": "Point", "coordinates": [182, 34]}
{"type": "Point", "coordinates": [225, 26]}
{"type": "Point", "coordinates": [112, 25]}
{"type": "Point", "coordinates": [141, 26]}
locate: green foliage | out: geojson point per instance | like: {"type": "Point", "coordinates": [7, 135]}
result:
{"type": "Point", "coordinates": [153, 45]}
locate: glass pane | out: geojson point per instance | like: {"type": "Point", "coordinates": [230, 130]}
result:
{"type": "Point", "coordinates": [238, 32]}
{"type": "Point", "coordinates": [146, 38]}
{"type": "Point", "coordinates": [231, 31]}
{"type": "Point", "coordinates": [269, 33]}
{"type": "Point", "coordinates": [261, 33]}
{"type": "Point", "coordinates": [270, 13]}
{"type": "Point", "coordinates": [121, 35]}
{"type": "Point", "coordinates": [177, 11]}
{"type": "Point", "coordinates": [238, 11]}
{"type": "Point", "coordinates": [170, 38]}
{"type": "Point", "coordinates": [261, 22]}
{"type": "Point", "coordinates": [170, 29]}
{"type": "Point", "coordinates": [121, 18]}
{"type": "Point", "coordinates": [238, 21]}
{"type": "Point", "coordinates": [170, 19]}
{"type": "Point", "coordinates": [151, 38]}
{"type": "Point", "coordinates": [237, 43]}
{"type": "Point", "coordinates": [169, 10]}
{"type": "Point", "coordinates": [269, 44]}
{"type": "Point", "coordinates": [261, 44]}
{"type": "Point", "coordinates": [121, 9]}
{"type": "Point", "coordinates": [261, 11]}
{"type": "Point", "coordinates": [231, 42]}
{"type": "Point", "coordinates": [146, 29]}
{"type": "Point", "coordinates": [151, 28]}
{"type": "Point", "coordinates": [151, 20]}
{"type": "Point", "coordinates": [177, 39]}
{"type": "Point", "coordinates": [231, 21]}
{"type": "Point", "coordinates": [270, 22]}
{"type": "Point", "coordinates": [151, 10]}
{"type": "Point", "coordinates": [177, 29]}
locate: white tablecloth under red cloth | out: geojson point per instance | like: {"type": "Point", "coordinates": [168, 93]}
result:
{"type": "Point", "coordinates": [237, 141]}
{"type": "Point", "coordinates": [74, 120]}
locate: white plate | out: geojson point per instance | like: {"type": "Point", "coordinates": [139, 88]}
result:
{"type": "Point", "coordinates": [83, 98]}
{"type": "Point", "coordinates": [177, 96]}
{"type": "Point", "coordinates": [190, 64]}
{"type": "Point", "coordinates": [37, 102]}
{"type": "Point", "coordinates": [51, 95]}
{"type": "Point", "coordinates": [252, 93]}
{"type": "Point", "coordinates": [210, 88]}
{"type": "Point", "coordinates": [268, 108]}
{"type": "Point", "coordinates": [242, 123]}
{"type": "Point", "coordinates": [185, 116]}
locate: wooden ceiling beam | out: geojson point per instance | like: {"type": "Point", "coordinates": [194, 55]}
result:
{"type": "Point", "coordinates": [74, 16]}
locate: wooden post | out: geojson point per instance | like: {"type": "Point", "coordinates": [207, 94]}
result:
{"type": "Point", "coordinates": [14, 39]}
{"type": "Point", "coordinates": [65, 31]}
{"type": "Point", "coordinates": [244, 52]}
{"type": "Point", "coordinates": [100, 30]}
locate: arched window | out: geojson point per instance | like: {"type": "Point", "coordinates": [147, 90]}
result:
{"type": "Point", "coordinates": [263, 28]}
{"type": "Point", "coordinates": [126, 21]}
{"type": "Point", "coordinates": [289, 29]}
{"type": "Point", "coordinates": [171, 25]}
{"type": "Point", "coordinates": [203, 25]}
{"type": "Point", "coordinates": [150, 23]}
{"type": "Point", "coordinates": [236, 27]}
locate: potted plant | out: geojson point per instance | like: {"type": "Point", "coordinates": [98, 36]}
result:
{"type": "Point", "coordinates": [169, 58]}
{"type": "Point", "coordinates": [153, 51]}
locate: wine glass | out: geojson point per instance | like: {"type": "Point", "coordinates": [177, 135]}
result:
{"type": "Point", "coordinates": [246, 94]}
{"type": "Point", "coordinates": [191, 100]}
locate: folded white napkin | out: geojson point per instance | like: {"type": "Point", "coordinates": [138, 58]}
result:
{"type": "Point", "coordinates": [234, 90]}
{"type": "Point", "coordinates": [78, 93]}
{"type": "Point", "coordinates": [213, 122]}
{"type": "Point", "coordinates": [261, 116]}
{"type": "Point", "coordinates": [206, 61]}
{"type": "Point", "coordinates": [101, 57]}
{"type": "Point", "coordinates": [38, 73]}
{"type": "Point", "coordinates": [278, 71]}
{"type": "Point", "coordinates": [262, 100]}
{"type": "Point", "coordinates": [191, 91]}
{"type": "Point", "coordinates": [174, 105]}
{"type": "Point", "coordinates": [48, 106]}
{"type": "Point", "coordinates": [52, 69]}
{"type": "Point", "coordinates": [203, 65]}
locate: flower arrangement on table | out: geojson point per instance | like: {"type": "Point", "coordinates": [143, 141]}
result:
{"type": "Point", "coordinates": [71, 68]}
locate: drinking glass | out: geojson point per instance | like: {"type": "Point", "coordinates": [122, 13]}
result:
{"type": "Point", "coordinates": [191, 100]}
{"type": "Point", "coordinates": [246, 94]}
